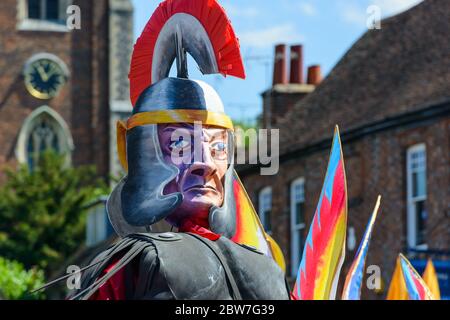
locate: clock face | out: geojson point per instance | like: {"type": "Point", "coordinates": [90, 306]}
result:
{"type": "Point", "coordinates": [44, 78]}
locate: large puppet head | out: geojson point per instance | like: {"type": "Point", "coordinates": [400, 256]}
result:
{"type": "Point", "coordinates": [180, 157]}
{"type": "Point", "coordinates": [178, 144]}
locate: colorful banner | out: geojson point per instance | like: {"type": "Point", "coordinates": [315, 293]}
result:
{"type": "Point", "coordinates": [431, 279]}
{"type": "Point", "coordinates": [249, 230]}
{"type": "Point", "coordinates": [353, 281]}
{"type": "Point", "coordinates": [397, 288]}
{"type": "Point", "coordinates": [415, 286]}
{"type": "Point", "coordinates": [324, 250]}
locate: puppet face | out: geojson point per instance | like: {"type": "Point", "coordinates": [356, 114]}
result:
{"type": "Point", "coordinates": [200, 154]}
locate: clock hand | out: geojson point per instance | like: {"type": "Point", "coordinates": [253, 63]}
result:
{"type": "Point", "coordinates": [51, 73]}
{"type": "Point", "coordinates": [42, 73]}
{"type": "Point", "coordinates": [53, 70]}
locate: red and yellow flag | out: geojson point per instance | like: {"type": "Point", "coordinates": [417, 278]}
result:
{"type": "Point", "coordinates": [249, 229]}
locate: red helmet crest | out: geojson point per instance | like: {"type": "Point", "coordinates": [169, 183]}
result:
{"type": "Point", "coordinates": [203, 30]}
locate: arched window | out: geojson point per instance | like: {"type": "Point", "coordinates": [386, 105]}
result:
{"type": "Point", "coordinates": [44, 129]}
{"type": "Point", "coordinates": [265, 208]}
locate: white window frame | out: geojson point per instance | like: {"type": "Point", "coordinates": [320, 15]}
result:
{"type": "Point", "coordinates": [62, 130]}
{"type": "Point", "coordinates": [262, 194]}
{"type": "Point", "coordinates": [411, 201]}
{"type": "Point", "coordinates": [296, 228]}
{"type": "Point", "coordinates": [24, 23]}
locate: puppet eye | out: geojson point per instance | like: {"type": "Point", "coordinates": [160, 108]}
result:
{"type": "Point", "coordinates": [180, 144]}
{"type": "Point", "coordinates": [219, 146]}
{"type": "Point", "coordinates": [219, 150]}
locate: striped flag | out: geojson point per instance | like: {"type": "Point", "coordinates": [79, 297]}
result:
{"type": "Point", "coordinates": [416, 287]}
{"type": "Point", "coordinates": [353, 282]}
{"type": "Point", "coordinates": [324, 250]}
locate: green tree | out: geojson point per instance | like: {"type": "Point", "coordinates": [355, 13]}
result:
{"type": "Point", "coordinates": [17, 283]}
{"type": "Point", "coordinates": [43, 211]}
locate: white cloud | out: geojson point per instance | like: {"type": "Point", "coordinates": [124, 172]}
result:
{"type": "Point", "coordinates": [354, 14]}
{"type": "Point", "coordinates": [307, 8]}
{"type": "Point", "coordinates": [392, 7]}
{"type": "Point", "coordinates": [261, 38]}
{"type": "Point", "coordinates": [240, 11]}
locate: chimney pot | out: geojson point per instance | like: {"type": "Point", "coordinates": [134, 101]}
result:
{"type": "Point", "coordinates": [279, 72]}
{"type": "Point", "coordinates": [296, 74]}
{"type": "Point", "coordinates": [314, 75]}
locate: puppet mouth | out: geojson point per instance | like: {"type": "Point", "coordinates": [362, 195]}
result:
{"type": "Point", "coordinates": [201, 187]}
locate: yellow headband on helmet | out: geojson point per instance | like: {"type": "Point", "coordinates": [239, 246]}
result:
{"type": "Point", "coordinates": [180, 116]}
{"type": "Point", "coordinates": [205, 117]}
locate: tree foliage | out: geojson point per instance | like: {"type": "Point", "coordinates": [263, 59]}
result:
{"type": "Point", "coordinates": [17, 283]}
{"type": "Point", "coordinates": [43, 211]}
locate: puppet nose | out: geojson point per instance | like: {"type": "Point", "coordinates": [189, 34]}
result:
{"type": "Point", "coordinates": [202, 169]}
{"type": "Point", "coordinates": [198, 172]}
{"type": "Point", "coordinates": [205, 167]}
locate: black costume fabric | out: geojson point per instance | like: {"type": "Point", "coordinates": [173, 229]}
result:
{"type": "Point", "coordinates": [186, 266]}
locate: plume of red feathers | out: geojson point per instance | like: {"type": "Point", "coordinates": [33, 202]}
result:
{"type": "Point", "coordinates": [217, 25]}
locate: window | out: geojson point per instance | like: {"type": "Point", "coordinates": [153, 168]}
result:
{"type": "Point", "coordinates": [297, 222]}
{"type": "Point", "coordinates": [44, 129]}
{"type": "Point", "coordinates": [43, 136]}
{"type": "Point", "coordinates": [416, 195]}
{"type": "Point", "coordinates": [42, 15]}
{"type": "Point", "coordinates": [44, 10]}
{"type": "Point", "coordinates": [98, 227]}
{"type": "Point", "coordinates": [34, 9]}
{"type": "Point", "coordinates": [265, 208]}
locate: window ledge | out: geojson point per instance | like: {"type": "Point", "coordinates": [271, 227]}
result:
{"type": "Point", "coordinates": [420, 247]}
{"type": "Point", "coordinates": [417, 251]}
{"type": "Point", "coordinates": [41, 25]}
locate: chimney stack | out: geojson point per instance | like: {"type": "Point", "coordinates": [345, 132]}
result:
{"type": "Point", "coordinates": [279, 71]}
{"type": "Point", "coordinates": [296, 75]}
{"type": "Point", "coordinates": [314, 75]}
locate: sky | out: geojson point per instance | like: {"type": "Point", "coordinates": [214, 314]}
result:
{"type": "Point", "coordinates": [325, 28]}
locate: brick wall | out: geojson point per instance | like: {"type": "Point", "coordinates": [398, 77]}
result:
{"type": "Point", "coordinates": [276, 104]}
{"type": "Point", "coordinates": [83, 101]}
{"type": "Point", "coordinates": [375, 164]}
{"type": "Point", "coordinates": [384, 102]}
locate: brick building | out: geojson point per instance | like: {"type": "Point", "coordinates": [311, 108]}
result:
{"type": "Point", "coordinates": [390, 95]}
{"type": "Point", "coordinates": [62, 88]}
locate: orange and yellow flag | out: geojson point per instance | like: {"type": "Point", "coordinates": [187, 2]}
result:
{"type": "Point", "coordinates": [397, 288]}
{"type": "Point", "coordinates": [431, 279]}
